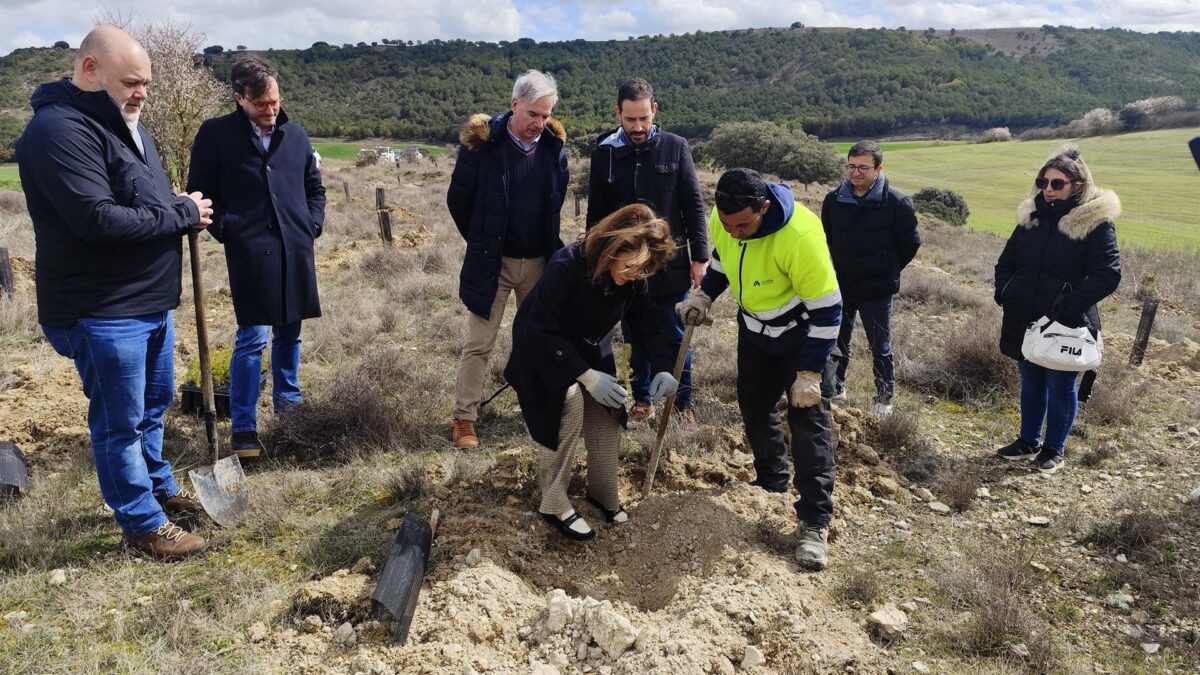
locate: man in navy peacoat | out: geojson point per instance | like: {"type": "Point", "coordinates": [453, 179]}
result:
{"type": "Point", "coordinates": [269, 204]}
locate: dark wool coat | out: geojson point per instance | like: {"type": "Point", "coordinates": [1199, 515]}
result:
{"type": "Point", "coordinates": [478, 201]}
{"type": "Point", "coordinates": [1058, 249]}
{"type": "Point", "coordinates": [871, 242]}
{"type": "Point", "coordinates": [564, 327]}
{"type": "Point", "coordinates": [107, 224]}
{"type": "Point", "coordinates": [268, 208]}
{"type": "Point", "coordinates": [659, 173]}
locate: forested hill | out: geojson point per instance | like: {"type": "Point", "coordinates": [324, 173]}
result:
{"type": "Point", "coordinates": [836, 82]}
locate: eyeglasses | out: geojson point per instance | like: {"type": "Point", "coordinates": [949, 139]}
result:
{"type": "Point", "coordinates": [858, 168]}
{"type": "Point", "coordinates": [1056, 184]}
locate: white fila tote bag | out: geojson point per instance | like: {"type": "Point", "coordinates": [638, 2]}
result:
{"type": "Point", "coordinates": [1052, 345]}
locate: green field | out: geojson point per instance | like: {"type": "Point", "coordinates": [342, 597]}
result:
{"type": "Point", "coordinates": [1151, 171]}
{"type": "Point", "coordinates": [347, 150]}
{"type": "Point", "coordinates": [9, 180]}
{"type": "Point", "coordinates": [892, 146]}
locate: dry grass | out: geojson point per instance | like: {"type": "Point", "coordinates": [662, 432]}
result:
{"type": "Point", "coordinates": [898, 438]}
{"type": "Point", "coordinates": [939, 293]}
{"type": "Point", "coordinates": [1118, 394]}
{"type": "Point", "coordinates": [966, 366]}
{"type": "Point", "coordinates": [11, 202]}
{"type": "Point", "coordinates": [860, 586]}
{"type": "Point", "coordinates": [1135, 528]}
{"type": "Point", "coordinates": [957, 487]}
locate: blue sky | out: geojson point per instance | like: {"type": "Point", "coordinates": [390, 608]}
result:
{"type": "Point", "coordinates": [298, 23]}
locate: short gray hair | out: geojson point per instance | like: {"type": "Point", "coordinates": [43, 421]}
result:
{"type": "Point", "coordinates": [533, 85]}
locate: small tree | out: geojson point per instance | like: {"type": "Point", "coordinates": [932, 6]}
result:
{"type": "Point", "coordinates": [944, 205]}
{"type": "Point", "coordinates": [183, 93]}
{"type": "Point", "coordinates": [62, 44]}
{"type": "Point", "coordinates": [768, 147]}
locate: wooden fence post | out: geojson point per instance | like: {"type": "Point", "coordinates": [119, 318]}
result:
{"type": "Point", "coordinates": [576, 206]}
{"type": "Point", "coordinates": [1149, 310]}
{"type": "Point", "coordinates": [6, 273]}
{"type": "Point", "coordinates": [346, 189]}
{"type": "Point", "coordinates": [385, 218]}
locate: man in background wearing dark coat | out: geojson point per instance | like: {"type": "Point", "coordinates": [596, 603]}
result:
{"type": "Point", "coordinates": [108, 231]}
{"type": "Point", "coordinates": [639, 162]}
{"type": "Point", "coordinates": [505, 196]}
{"type": "Point", "coordinates": [871, 228]}
{"type": "Point", "coordinates": [269, 203]}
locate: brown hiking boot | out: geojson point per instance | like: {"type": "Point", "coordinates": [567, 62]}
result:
{"type": "Point", "coordinates": [183, 504]}
{"type": "Point", "coordinates": [246, 445]}
{"type": "Point", "coordinates": [640, 411]}
{"type": "Point", "coordinates": [463, 434]}
{"type": "Point", "coordinates": [168, 542]}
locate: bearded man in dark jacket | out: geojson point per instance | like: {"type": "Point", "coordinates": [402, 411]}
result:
{"type": "Point", "coordinates": [871, 228]}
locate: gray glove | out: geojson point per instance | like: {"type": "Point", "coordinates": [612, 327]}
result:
{"type": "Point", "coordinates": [806, 390]}
{"type": "Point", "coordinates": [605, 388]}
{"type": "Point", "coordinates": [693, 310]}
{"type": "Point", "coordinates": [662, 386]}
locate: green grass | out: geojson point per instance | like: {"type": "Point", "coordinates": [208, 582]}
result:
{"type": "Point", "coordinates": [843, 147]}
{"type": "Point", "coordinates": [1151, 171]}
{"type": "Point", "coordinates": [9, 180]}
{"type": "Point", "coordinates": [347, 150]}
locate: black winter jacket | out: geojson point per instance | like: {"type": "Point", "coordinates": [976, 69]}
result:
{"type": "Point", "coordinates": [659, 173]}
{"type": "Point", "coordinates": [1058, 249]}
{"type": "Point", "coordinates": [564, 327]}
{"type": "Point", "coordinates": [268, 208]}
{"type": "Point", "coordinates": [871, 241]}
{"type": "Point", "coordinates": [478, 201]}
{"type": "Point", "coordinates": [106, 223]}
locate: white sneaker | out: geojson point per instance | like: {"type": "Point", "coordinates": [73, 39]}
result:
{"type": "Point", "coordinates": [883, 409]}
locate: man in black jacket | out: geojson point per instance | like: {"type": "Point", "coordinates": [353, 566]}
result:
{"type": "Point", "coordinates": [261, 171]}
{"type": "Point", "coordinates": [505, 196]}
{"type": "Point", "coordinates": [108, 231]}
{"type": "Point", "coordinates": [639, 162]}
{"type": "Point", "coordinates": [872, 232]}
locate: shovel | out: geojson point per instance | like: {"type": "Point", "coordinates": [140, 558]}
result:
{"type": "Point", "coordinates": [668, 407]}
{"type": "Point", "coordinates": [221, 487]}
{"type": "Point", "coordinates": [395, 598]}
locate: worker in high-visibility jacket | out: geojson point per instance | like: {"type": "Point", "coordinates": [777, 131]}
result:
{"type": "Point", "coordinates": [771, 252]}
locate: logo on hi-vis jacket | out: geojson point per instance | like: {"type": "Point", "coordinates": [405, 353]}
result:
{"type": "Point", "coordinates": [768, 282]}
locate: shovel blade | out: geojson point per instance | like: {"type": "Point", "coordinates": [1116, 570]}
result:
{"type": "Point", "coordinates": [395, 597]}
{"type": "Point", "coordinates": [222, 490]}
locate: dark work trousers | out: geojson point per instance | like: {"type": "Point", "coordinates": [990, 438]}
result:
{"type": "Point", "coordinates": [762, 379]}
{"type": "Point", "coordinates": [877, 324]}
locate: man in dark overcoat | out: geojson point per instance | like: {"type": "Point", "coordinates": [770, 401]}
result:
{"type": "Point", "coordinates": [269, 203]}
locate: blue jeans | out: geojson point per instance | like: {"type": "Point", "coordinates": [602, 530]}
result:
{"type": "Point", "coordinates": [127, 367]}
{"type": "Point", "coordinates": [245, 371]}
{"type": "Point", "coordinates": [639, 366]}
{"type": "Point", "coordinates": [1049, 396]}
{"type": "Point", "coordinates": [877, 324]}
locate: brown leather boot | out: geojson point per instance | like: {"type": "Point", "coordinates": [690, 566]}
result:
{"type": "Point", "coordinates": [183, 504]}
{"type": "Point", "coordinates": [168, 542]}
{"type": "Point", "coordinates": [463, 434]}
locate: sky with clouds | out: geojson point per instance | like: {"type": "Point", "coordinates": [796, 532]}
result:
{"type": "Point", "coordinates": [298, 23]}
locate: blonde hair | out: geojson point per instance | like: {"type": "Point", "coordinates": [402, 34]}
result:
{"type": "Point", "coordinates": [634, 228]}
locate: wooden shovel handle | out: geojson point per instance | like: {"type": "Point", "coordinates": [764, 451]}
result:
{"type": "Point", "coordinates": [206, 381]}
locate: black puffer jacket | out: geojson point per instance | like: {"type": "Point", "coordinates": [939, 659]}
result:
{"type": "Point", "coordinates": [1063, 251]}
{"type": "Point", "coordinates": [871, 239]}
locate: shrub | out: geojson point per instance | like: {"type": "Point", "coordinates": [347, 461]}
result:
{"type": "Point", "coordinates": [967, 368]}
{"type": "Point", "coordinates": [898, 438]}
{"type": "Point", "coordinates": [11, 202]}
{"type": "Point", "coordinates": [1096, 122]}
{"type": "Point", "coordinates": [945, 205]}
{"type": "Point", "coordinates": [958, 487]}
{"type": "Point", "coordinates": [770, 148]}
{"type": "Point", "coordinates": [861, 586]}
{"type": "Point", "coordinates": [938, 291]}
{"type": "Point", "coordinates": [996, 135]}
{"type": "Point", "coordinates": [1135, 529]}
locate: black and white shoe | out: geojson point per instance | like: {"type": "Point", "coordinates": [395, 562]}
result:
{"type": "Point", "coordinates": [1018, 450]}
{"type": "Point", "coordinates": [570, 525]}
{"type": "Point", "coordinates": [619, 516]}
{"type": "Point", "coordinates": [1049, 460]}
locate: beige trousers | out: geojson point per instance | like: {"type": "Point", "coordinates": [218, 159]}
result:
{"type": "Point", "coordinates": [516, 274]}
{"type": "Point", "coordinates": [601, 437]}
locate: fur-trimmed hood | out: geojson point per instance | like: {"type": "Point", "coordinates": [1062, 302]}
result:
{"type": "Point", "coordinates": [481, 128]}
{"type": "Point", "coordinates": [1096, 205]}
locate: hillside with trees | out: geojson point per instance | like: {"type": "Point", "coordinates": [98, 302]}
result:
{"type": "Point", "coordinates": [830, 82]}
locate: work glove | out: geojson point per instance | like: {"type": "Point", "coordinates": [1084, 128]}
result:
{"type": "Point", "coordinates": [806, 390]}
{"type": "Point", "coordinates": [662, 386]}
{"type": "Point", "coordinates": [694, 309]}
{"type": "Point", "coordinates": [605, 388]}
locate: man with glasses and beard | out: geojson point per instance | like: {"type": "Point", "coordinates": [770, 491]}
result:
{"type": "Point", "coordinates": [261, 171]}
{"type": "Point", "coordinates": [770, 252]}
{"type": "Point", "coordinates": [108, 273]}
{"type": "Point", "coordinates": [872, 232]}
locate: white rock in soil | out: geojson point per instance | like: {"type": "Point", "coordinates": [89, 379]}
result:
{"type": "Point", "coordinates": [58, 577]}
{"type": "Point", "coordinates": [923, 494]}
{"type": "Point", "coordinates": [257, 632]}
{"type": "Point", "coordinates": [344, 636]}
{"type": "Point", "coordinates": [540, 668]}
{"type": "Point", "coordinates": [920, 667]}
{"type": "Point", "coordinates": [889, 621]}
{"type": "Point", "coordinates": [753, 657]}
{"type": "Point", "coordinates": [474, 557]}
{"type": "Point", "coordinates": [1195, 496]}
{"type": "Point", "coordinates": [1119, 600]}
{"type": "Point", "coordinates": [1150, 647]}
{"type": "Point", "coordinates": [1085, 488]}
{"type": "Point", "coordinates": [983, 493]}
{"type": "Point", "coordinates": [560, 610]}
{"type": "Point", "coordinates": [938, 507]}
{"type": "Point", "coordinates": [1038, 521]}
{"type": "Point", "coordinates": [610, 629]}
{"type": "Point", "coordinates": [1020, 650]}
{"type": "Point", "coordinates": [1121, 558]}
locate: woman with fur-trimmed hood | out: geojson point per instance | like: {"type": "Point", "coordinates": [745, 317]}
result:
{"type": "Point", "coordinates": [1060, 261]}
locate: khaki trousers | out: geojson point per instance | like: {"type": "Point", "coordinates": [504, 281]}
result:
{"type": "Point", "coordinates": [516, 274]}
{"type": "Point", "coordinates": [601, 437]}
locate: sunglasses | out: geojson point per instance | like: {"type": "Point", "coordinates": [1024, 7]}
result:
{"type": "Point", "coordinates": [1056, 184]}
{"type": "Point", "coordinates": [738, 201]}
